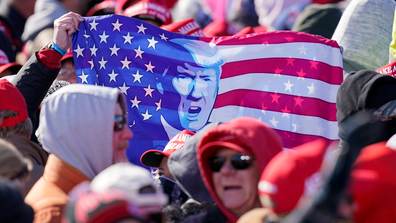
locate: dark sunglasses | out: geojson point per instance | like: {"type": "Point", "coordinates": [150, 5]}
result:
{"type": "Point", "coordinates": [119, 122]}
{"type": "Point", "coordinates": [239, 162]}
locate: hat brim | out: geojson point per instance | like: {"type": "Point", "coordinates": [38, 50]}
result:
{"type": "Point", "coordinates": [105, 7]}
{"type": "Point", "coordinates": [67, 56]}
{"type": "Point", "coordinates": [14, 67]}
{"type": "Point", "coordinates": [211, 147]}
{"type": "Point", "coordinates": [153, 158]}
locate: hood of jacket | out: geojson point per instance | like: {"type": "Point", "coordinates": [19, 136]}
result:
{"type": "Point", "coordinates": [256, 137]}
{"type": "Point", "coordinates": [29, 149]}
{"type": "Point", "coordinates": [365, 32]}
{"type": "Point", "coordinates": [364, 90]}
{"type": "Point", "coordinates": [45, 13]}
{"type": "Point", "coordinates": [184, 168]}
{"type": "Point", "coordinates": [76, 124]}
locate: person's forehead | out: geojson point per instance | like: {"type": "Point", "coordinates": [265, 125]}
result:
{"type": "Point", "coordinates": [209, 71]}
{"type": "Point", "coordinates": [225, 151]}
{"type": "Point", "coordinates": [164, 163]}
{"type": "Point", "coordinates": [202, 71]}
{"type": "Point", "coordinates": [67, 63]}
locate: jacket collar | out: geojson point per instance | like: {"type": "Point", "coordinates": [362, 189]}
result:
{"type": "Point", "coordinates": [62, 174]}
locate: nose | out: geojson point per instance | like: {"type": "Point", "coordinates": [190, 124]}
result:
{"type": "Point", "coordinates": [127, 132]}
{"type": "Point", "coordinates": [227, 168]}
{"type": "Point", "coordinates": [194, 95]}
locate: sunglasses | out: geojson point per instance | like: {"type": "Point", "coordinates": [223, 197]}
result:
{"type": "Point", "coordinates": [239, 162]}
{"type": "Point", "coordinates": [119, 122]}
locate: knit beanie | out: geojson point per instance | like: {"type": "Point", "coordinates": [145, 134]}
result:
{"type": "Point", "coordinates": [364, 90]}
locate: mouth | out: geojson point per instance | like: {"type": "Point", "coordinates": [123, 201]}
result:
{"type": "Point", "coordinates": [123, 145]}
{"type": "Point", "coordinates": [194, 111]}
{"type": "Point", "coordinates": [230, 188]}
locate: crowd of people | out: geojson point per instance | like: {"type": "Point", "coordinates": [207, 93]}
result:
{"type": "Point", "coordinates": [63, 144]}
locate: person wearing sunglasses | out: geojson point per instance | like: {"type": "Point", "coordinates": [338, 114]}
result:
{"type": "Point", "coordinates": [84, 128]}
{"type": "Point", "coordinates": [231, 158]}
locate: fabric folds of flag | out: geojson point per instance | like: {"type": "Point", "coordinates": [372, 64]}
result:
{"type": "Point", "coordinates": [172, 82]}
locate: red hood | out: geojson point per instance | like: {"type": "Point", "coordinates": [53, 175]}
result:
{"type": "Point", "coordinates": [256, 136]}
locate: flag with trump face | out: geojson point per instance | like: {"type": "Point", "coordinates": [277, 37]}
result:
{"type": "Point", "coordinates": [172, 82]}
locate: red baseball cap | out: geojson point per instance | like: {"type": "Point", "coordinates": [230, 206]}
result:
{"type": "Point", "coordinates": [374, 191]}
{"type": "Point", "coordinates": [249, 29]}
{"type": "Point", "coordinates": [149, 8]}
{"type": "Point", "coordinates": [218, 27]}
{"type": "Point", "coordinates": [246, 30]}
{"type": "Point", "coordinates": [292, 173]}
{"type": "Point", "coordinates": [153, 158]}
{"type": "Point", "coordinates": [186, 27]}
{"type": "Point", "coordinates": [121, 5]}
{"type": "Point", "coordinates": [69, 54]}
{"type": "Point", "coordinates": [105, 7]}
{"type": "Point", "coordinates": [12, 99]}
{"type": "Point", "coordinates": [325, 1]}
{"type": "Point", "coordinates": [103, 207]}
{"type": "Point", "coordinates": [388, 69]}
{"type": "Point", "coordinates": [228, 141]}
{"type": "Point", "coordinates": [5, 64]}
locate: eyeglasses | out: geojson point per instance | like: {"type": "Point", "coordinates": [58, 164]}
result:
{"type": "Point", "coordinates": [119, 122]}
{"type": "Point", "coordinates": [239, 162]}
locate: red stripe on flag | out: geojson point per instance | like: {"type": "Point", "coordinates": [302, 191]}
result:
{"type": "Point", "coordinates": [292, 139]}
{"type": "Point", "coordinates": [285, 66]}
{"type": "Point", "coordinates": [281, 103]}
{"type": "Point", "coordinates": [275, 37]}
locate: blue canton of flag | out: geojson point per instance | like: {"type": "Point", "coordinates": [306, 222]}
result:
{"type": "Point", "coordinates": [132, 55]}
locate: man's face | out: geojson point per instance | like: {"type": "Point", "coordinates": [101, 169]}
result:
{"type": "Point", "coordinates": [198, 91]}
{"type": "Point", "coordinates": [120, 139]}
{"type": "Point", "coordinates": [237, 189]}
{"type": "Point", "coordinates": [163, 169]}
{"type": "Point", "coordinates": [67, 72]}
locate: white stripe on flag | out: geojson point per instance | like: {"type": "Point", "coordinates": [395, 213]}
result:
{"type": "Point", "coordinates": [279, 84]}
{"type": "Point", "coordinates": [308, 125]}
{"type": "Point", "coordinates": [309, 51]}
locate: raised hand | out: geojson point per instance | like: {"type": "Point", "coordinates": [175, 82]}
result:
{"type": "Point", "coordinates": [64, 27]}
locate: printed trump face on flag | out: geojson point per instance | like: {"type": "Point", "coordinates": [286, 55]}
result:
{"type": "Point", "coordinates": [197, 84]}
{"type": "Point", "coordinates": [174, 82]}
{"type": "Point", "coordinates": [198, 90]}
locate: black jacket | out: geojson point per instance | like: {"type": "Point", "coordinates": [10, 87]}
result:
{"type": "Point", "coordinates": [33, 81]}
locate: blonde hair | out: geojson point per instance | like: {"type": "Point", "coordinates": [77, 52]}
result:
{"type": "Point", "coordinates": [12, 163]}
{"type": "Point", "coordinates": [23, 128]}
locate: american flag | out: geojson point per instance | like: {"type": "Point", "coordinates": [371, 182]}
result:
{"type": "Point", "coordinates": [286, 79]}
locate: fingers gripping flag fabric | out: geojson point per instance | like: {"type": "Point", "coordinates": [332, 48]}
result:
{"type": "Point", "coordinates": [174, 82]}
